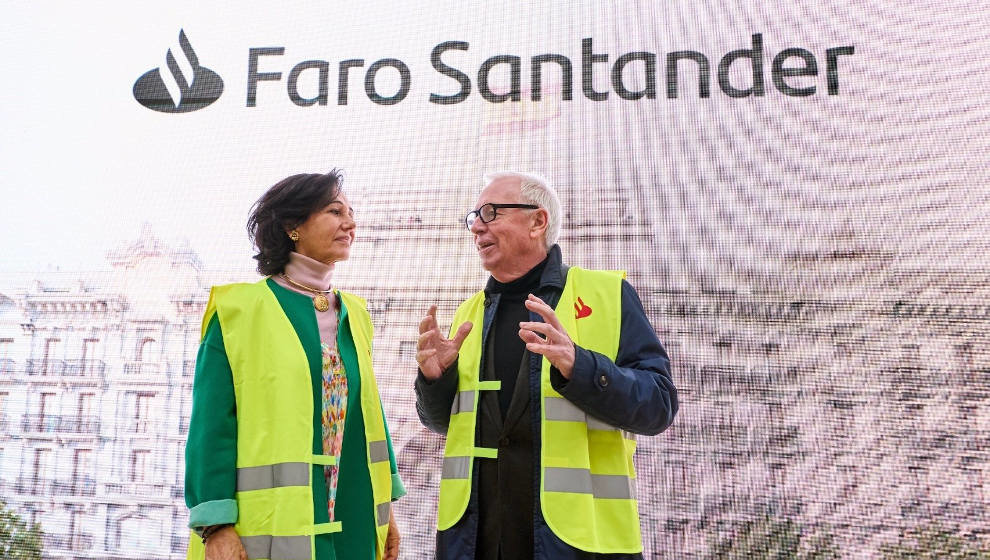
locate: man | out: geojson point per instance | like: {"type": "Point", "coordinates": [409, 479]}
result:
{"type": "Point", "coordinates": [539, 406]}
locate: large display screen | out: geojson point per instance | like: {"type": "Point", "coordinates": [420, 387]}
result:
{"type": "Point", "coordinates": [799, 192]}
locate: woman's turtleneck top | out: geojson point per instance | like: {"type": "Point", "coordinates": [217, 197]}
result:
{"type": "Point", "coordinates": [315, 274]}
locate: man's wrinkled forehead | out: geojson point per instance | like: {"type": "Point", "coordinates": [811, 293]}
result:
{"type": "Point", "coordinates": [504, 189]}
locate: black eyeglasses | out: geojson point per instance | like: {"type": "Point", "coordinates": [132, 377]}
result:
{"type": "Point", "coordinates": [489, 212]}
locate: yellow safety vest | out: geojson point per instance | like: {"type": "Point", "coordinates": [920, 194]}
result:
{"type": "Point", "coordinates": [587, 477]}
{"type": "Point", "coordinates": [274, 396]}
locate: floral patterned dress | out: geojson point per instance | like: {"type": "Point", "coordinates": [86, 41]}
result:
{"type": "Point", "coordinates": [334, 416]}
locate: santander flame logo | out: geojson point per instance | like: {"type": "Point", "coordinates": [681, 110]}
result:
{"type": "Point", "coordinates": [581, 310]}
{"type": "Point", "coordinates": [181, 85]}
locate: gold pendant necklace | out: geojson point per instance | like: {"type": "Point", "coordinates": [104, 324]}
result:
{"type": "Point", "coordinates": [320, 301]}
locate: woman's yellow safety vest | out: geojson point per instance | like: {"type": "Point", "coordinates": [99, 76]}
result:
{"type": "Point", "coordinates": [587, 477]}
{"type": "Point", "coordinates": [274, 397]}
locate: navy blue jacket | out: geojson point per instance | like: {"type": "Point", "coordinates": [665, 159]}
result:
{"type": "Point", "coordinates": [635, 393]}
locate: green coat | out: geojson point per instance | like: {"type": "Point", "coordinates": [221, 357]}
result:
{"type": "Point", "coordinates": [211, 447]}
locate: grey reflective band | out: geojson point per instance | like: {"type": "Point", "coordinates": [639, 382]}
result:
{"type": "Point", "coordinates": [378, 450]}
{"type": "Point", "coordinates": [455, 467]}
{"type": "Point", "coordinates": [281, 548]}
{"type": "Point", "coordinates": [596, 424]}
{"type": "Point", "coordinates": [272, 476]}
{"type": "Point", "coordinates": [563, 410]}
{"type": "Point", "coordinates": [384, 512]}
{"type": "Point", "coordinates": [463, 402]}
{"type": "Point", "coordinates": [612, 486]}
{"type": "Point", "coordinates": [581, 481]}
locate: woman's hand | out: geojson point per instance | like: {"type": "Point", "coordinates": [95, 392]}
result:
{"type": "Point", "coordinates": [392, 540]}
{"type": "Point", "coordinates": [226, 545]}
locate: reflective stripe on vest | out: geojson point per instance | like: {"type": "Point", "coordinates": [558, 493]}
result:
{"type": "Point", "coordinates": [274, 399]}
{"type": "Point", "coordinates": [383, 512]}
{"type": "Point", "coordinates": [581, 481]}
{"type": "Point", "coordinates": [379, 465]}
{"type": "Point", "coordinates": [284, 548]}
{"type": "Point", "coordinates": [587, 490]}
{"type": "Point", "coordinates": [272, 476]}
{"type": "Point", "coordinates": [460, 449]}
{"type": "Point", "coordinates": [297, 474]}
{"type": "Point", "coordinates": [463, 402]}
{"type": "Point", "coordinates": [560, 409]}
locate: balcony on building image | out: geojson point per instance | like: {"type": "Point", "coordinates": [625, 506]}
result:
{"type": "Point", "coordinates": [34, 486]}
{"type": "Point", "coordinates": [40, 423]}
{"type": "Point", "coordinates": [75, 424]}
{"type": "Point", "coordinates": [83, 486]}
{"type": "Point", "coordinates": [44, 367]}
{"type": "Point", "coordinates": [8, 368]}
{"type": "Point", "coordinates": [140, 426]}
{"type": "Point", "coordinates": [76, 542]}
{"type": "Point", "coordinates": [77, 368]}
{"type": "Point", "coordinates": [144, 490]}
{"type": "Point", "coordinates": [51, 424]}
{"type": "Point", "coordinates": [150, 370]}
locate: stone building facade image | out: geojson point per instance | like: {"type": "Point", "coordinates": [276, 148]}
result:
{"type": "Point", "coordinates": [857, 409]}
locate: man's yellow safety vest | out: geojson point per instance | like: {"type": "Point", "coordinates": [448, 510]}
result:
{"type": "Point", "coordinates": [274, 396]}
{"type": "Point", "coordinates": [587, 477]}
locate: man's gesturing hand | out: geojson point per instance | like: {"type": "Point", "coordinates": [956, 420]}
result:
{"type": "Point", "coordinates": [555, 344]}
{"type": "Point", "coordinates": [434, 351]}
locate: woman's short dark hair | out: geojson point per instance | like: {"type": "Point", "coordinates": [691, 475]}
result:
{"type": "Point", "coordinates": [284, 207]}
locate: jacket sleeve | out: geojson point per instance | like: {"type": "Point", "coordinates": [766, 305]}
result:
{"type": "Point", "coordinates": [435, 398]}
{"type": "Point", "coordinates": [211, 445]}
{"type": "Point", "coordinates": [636, 392]}
{"type": "Point", "coordinates": [398, 489]}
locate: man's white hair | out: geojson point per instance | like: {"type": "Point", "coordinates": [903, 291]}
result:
{"type": "Point", "coordinates": [535, 190]}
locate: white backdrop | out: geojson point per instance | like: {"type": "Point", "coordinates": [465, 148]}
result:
{"type": "Point", "coordinates": [816, 265]}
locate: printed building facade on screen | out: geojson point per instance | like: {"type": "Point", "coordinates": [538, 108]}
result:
{"type": "Point", "coordinates": [855, 415]}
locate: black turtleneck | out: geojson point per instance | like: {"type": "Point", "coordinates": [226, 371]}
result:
{"type": "Point", "coordinates": [509, 348]}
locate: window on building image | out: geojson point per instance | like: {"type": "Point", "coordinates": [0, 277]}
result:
{"type": "Point", "coordinates": [6, 362]}
{"type": "Point", "coordinates": [82, 471]}
{"type": "Point", "coordinates": [407, 348]}
{"type": "Point", "coordinates": [85, 414]}
{"type": "Point", "coordinates": [88, 358]}
{"type": "Point", "coordinates": [78, 539]}
{"type": "Point", "coordinates": [142, 412]}
{"type": "Point", "coordinates": [188, 368]}
{"type": "Point", "coordinates": [138, 533]}
{"type": "Point", "coordinates": [147, 348]}
{"type": "Point", "coordinates": [184, 413]}
{"type": "Point", "coordinates": [47, 420]}
{"type": "Point", "coordinates": [140, 464]}
{"type": "Point", "coordinates": [48, 359]}
{"type": "Point", "coordinates": [5, 416]}
{"type": "Point", "coordinates": [43, 470]}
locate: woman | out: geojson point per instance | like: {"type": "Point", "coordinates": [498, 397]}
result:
{"type": "Point", "coordinates": [288, 454]}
